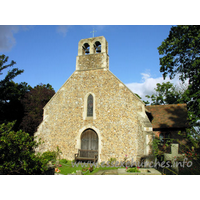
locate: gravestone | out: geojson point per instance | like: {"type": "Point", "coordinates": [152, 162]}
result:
{"type": "Point", "coordinates": [174, 156]}
{"type": "Point", "coordinates": [78, 172]}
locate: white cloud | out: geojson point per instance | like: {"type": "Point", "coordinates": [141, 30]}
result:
{"type": "Point", "coordinates": [7, 40]}
{"type": "Point", "coordinates": [147, 85]}
{"type": "Point", "coordinates": [62, 29]}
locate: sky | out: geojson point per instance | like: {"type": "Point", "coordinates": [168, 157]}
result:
{"type": "Point", "coordinates": [47, 53]}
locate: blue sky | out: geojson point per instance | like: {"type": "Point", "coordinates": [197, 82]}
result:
{"type": "Point", "coordinates": [47, 53]}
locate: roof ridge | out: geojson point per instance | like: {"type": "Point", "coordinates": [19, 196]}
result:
{"type": "Point", "coordinates": [179, 104]}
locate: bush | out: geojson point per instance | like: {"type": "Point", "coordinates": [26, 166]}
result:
{"type": "Point", "coordinates": [17, 155]}
{"type": "Point", "coordinates": [112, 161]}
{"type": "Point", "coordinates": [91, 168]}
{"type": "Point", "coordinates": [63, 161]}
{"type": "Point", "coordinates": [49, 156]}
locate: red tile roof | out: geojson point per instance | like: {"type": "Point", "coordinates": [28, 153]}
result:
{"type": "Point", "coordinates": [168, 116]}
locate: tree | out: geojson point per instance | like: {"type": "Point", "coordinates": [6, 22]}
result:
{"type": "Point", "coordinates": [11, 74]}
{"type": "Point", "coordinates": [166, 93]}
{"type": "Point", "coordinates": [146, 102]}
{"type": "Point", "coordinates": [17, 155]}
{"type": "Point", "coordinates": [11, 93]}
{"type": "Point", "coordinates": [181, 56]}
{"type": "Point", "coordinates": [33, 103]}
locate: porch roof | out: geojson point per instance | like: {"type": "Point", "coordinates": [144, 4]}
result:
{"type": "Point", "coordinates": [168, 116]}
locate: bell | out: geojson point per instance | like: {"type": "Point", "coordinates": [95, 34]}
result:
{"type": "Point", "coordinates": [98, 50]}
{"type": "Point", "coordinates": [87, 51]}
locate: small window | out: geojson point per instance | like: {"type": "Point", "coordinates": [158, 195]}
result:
{"type": "Point", "coordinates": [164, 138]}
{"type": "Point", "coordinates": [90, 106]}
{"type": "Point", "coordinates": [97, 46]}
{"type": "Point", "coordinates": [86, 49]}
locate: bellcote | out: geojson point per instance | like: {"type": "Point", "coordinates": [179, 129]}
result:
{"type": "Point", "coordinates": [92, 54]}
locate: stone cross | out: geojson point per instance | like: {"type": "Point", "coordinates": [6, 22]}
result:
{"type": "Point", "coordinates": [93, 32]}
{"type": "Point", "coordinates": [173, 156]}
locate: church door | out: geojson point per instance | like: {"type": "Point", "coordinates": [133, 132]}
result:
{"type": "Point", "coordinates": [89, 140]}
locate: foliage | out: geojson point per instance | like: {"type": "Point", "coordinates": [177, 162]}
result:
{"type": "Point", "coordinates": [180, 56]}
{"type": "Point", "coordinates": [58, 152]}
{"type": "Point", "coordinates": [64, 161]}
{"type": "Point", "coordinates": [11, 74]}
{"type": "Point", "coordinates": [49, 156]}
{"type": "Point", "coordinates": [17, 154]}
{"type": "Point", "coordinates": [20, 102]}
{"type": "Point", "coordinates": [146, 102]}
{"type": "Point", "coordinates": [91, 168]}
{"type": "Point", "coordinates": [71, 169]}
{"type": "Point", "coordinates": [166, 93]}
{"type": "Point", "coordinates": [134, 169]}
{"type": "Point", "coordinates": [159, 148]}
{"type": "Point", "coordinates": [189, 146]}
{"type": "Point", "coordinates": [126, 162]}
{"type": "Point", "coordinates": [11, 93]}
{"type": "Point", "coordinates": [33, 103]}
{"type": "Point", "coordinates": [112, 161]}
{"type": "Point", "coordinates": [84, 169]}
{"type": "Point", "coordinates": [192, 152]}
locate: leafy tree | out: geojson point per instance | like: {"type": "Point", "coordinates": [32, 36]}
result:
{"type": "Point", "coordinates": [180, 53]}
{"type": "Point", "coordinates": [17, 154]}
{"type": "Point", "coordinates": [33, 103]}
{"type": "Point", "coordinates": [181, 56]}
{"type": "Point", "coordinates": [166, 93]}
{"type": "Point", "coordinates": [146, 102]}
{"type": "Point", "coordinates": [11, 74]}
{"type": "Point", "coordinates": [11, 93]}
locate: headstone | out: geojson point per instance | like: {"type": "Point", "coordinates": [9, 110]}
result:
{"type": "Point", "coordinates": [57, 162]}
{"type": "Point", "coordinates": [78, 172]}
{"type": "Point", "coordinates": [174, 156]}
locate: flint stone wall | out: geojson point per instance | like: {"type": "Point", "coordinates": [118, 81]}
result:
{"type": "Point", "coordinates": [118, 118]}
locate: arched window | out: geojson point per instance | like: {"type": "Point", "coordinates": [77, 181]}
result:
{"type": "Point", "coordinates": [90, 106]}
{"type": "Point", "coordinates": [86, 49]}
{"type": "Point", "coordinates": [97, 46]}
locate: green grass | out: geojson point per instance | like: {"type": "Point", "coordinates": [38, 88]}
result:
{"type": "Point", "coordinates": [67, 168]}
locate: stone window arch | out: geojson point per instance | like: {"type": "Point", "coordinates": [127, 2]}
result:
{"type": "Point", "coordinates": [90, 107]}
{"type": "Point", "coordinates": [86, 49]}
{"type": "Point", "coordinates": [97, 46]}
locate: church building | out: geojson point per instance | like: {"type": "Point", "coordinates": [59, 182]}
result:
{"type": "Point", "coordinates": [94, 110]}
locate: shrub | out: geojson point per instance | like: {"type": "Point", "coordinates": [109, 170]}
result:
{"type": "Point", "coordinates": [112, 161]}
{"type": "Point", "coordinates": [17, 154]}
{"type": "Point", "coordinates": [91, 169]}
{"type": "Point", "coordinates": [49, 156]}
{"type": "Point", "coordinates": [135, 169]}
{"type": "Point", "coordinates": [84, 169]}
{"type": "Point", "coordinates": [64, 161]}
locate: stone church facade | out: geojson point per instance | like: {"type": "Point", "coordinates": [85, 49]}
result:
{"type": "Point", "coordinates": [94, 110]}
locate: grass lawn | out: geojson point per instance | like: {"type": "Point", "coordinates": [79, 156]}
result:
{"type": "Point", "coordinates": [67, 168]}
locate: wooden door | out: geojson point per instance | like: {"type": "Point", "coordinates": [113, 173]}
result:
{"type": "Point", "coordinates": [89, 140]}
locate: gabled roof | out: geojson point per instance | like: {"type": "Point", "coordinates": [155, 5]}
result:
{"type": "Point", "coordinates": [168, 116]}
